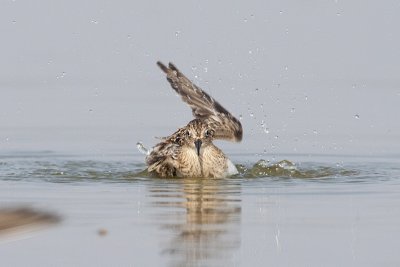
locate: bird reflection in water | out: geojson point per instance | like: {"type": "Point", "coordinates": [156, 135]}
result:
{"type": "Point", "coordinates": [202, 217]}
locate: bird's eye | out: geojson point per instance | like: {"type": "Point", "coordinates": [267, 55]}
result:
{"type": "Point", "coordinates": [208, 133]}
{"type": "Point", "coordinates": [187, 133]}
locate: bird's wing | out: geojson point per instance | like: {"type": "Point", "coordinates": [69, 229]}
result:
{"type": "Point", "coordinates": [203, 106]}
{"type": "Point", "coordinates": [162, 158]}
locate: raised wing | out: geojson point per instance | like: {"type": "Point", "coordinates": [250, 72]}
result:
{"type": "Point", "coordinates": [203, 106]}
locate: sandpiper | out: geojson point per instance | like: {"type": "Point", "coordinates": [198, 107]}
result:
{"type": "Point", "coordinates": [190, 152]}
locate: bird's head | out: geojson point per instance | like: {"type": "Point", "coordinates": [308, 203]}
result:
{"type": "Point", "coordinates": [196, 134]}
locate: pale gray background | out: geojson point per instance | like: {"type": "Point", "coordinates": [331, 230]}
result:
{"type": "Point", "coordinates": [305, 76]}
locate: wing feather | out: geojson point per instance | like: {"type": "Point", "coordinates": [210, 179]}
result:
{"type": "Point", "coordinates": [203, 106]}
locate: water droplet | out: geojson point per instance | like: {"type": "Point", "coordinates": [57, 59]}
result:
{"type": "Point", "coordinates": [245, 20]}
{"type": "Point", "coordinates": [264, 127]}
{"type": "Point", "coordinates": [240, 117]}
{"type": "Point", "coordinates": [251, 114]}
{"type": "Point", "coordinates": [62, 75]}
{"type": "Point", "coordinates": [357, 116]}
{"type": "Point", "coordinates": [14, 21]}
{"type": "Point", "coordinates": [338, 14]}
{"type": "Point", "coordinates": [315, 132]}
{"type": "Point", "coordinates": [205, 69]}
{"type": "Point", "coordinates": [292, 110]}
{"type": "Point", "coordinates": [280, 12]}
{"type": "Point", "coordinates": [90, 110]}
{"type": "Point", "coordinates": [94, 21]}
{"type": "Point", "coordinates": [276, 137]}
{"type": "Point", "coordinates": [177, 33]}
{"type": "Point", "coordinates": [286, 67]}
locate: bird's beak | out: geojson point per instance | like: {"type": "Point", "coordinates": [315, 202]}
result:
{"type": "Point", "coordinates": [198, 143]}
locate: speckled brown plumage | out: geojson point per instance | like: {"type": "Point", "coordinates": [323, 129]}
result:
{"type": "Point", "coordinates": [189, 152]}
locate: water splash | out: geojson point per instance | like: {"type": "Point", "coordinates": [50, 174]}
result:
{"type": "Point", "coordinates": [280, 169]}
{"type": "Point", "coordinates": [287, 169]}
{"type": "Point", "coordinates": [142, 149]}
{"type": "Point", "coordinates": [55, 168]}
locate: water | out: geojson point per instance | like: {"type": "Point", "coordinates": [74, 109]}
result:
{"type": "Point", "coordinates": [76, 94]}
{"type": "Point", "coordinates": [297, 210]}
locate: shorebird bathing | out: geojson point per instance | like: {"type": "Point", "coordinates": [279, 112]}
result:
{"type": "Point", "coordinates": [190, 152]}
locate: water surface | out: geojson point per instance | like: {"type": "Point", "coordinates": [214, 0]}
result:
{"type": "Point", "coordinates": [308, 210]}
